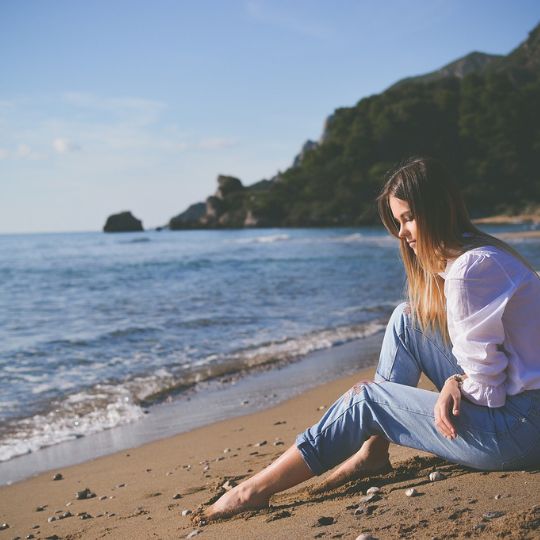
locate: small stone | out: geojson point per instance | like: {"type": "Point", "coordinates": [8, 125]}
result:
{"type": "Point", "coordinates": [177, 496]}
{"type": "Point", "coordinates": [497, 497]}
{"type": "Point", "coordinates": [278, 443]}
{"type": "Point", "coordinates": [69, 503]}
{"type": "Point", "coordinates": [112, 514]}
{"type": "Point", "coordinates": [193, 533]}
{"type": "Point", "coordinates": [373, 490]}
{"type": "Point", "coordinates": [52, 537]}
{"type": "Point", "coordinates": [148, 470]}
{"type": "Point", "coordinates": [4, 526]}
{"type": "Point", "coordinates": [359, 511]}
{"type": "Point", "coordinates": [365, 537]}
{"type": "Point", "coordinates": [492, 515]}
{"type": "Point", "coordinates": [411, 492]}
{"type": "Point", "coordinates": [321, 407]}
{"type": "Point", "coordinates": [85, 494]}
{"type": "Point", "coordinates": [40, 508]}
{"type": "Point", "coordinates": [262, 443]}
{"type": "Point", "coordinates": [226, 450]}
{"type": "Point", "coordinates": [51, 519]}
{"type": "Point", "coordinates": [121, 485]}
{"type": "Point", "coordinates": [228, 485]}
{"type": "Point", "coordinates": [66, 515]}
{"type": "Point", "coordinates": [186, 512]}
{"type": "Point", "coordinates": [168, 473]}
{"type": "Point", "coordinates": [29, 536]}
{"type": "Point", "coordinates": [36, 526]}
{"type": "Point", "coordinates": [84, 515]}
{"type": "Point", "coordinates": [325, 520]}
{"type": "Point", "coordinates": [57, 476]}
{"type": "Point", "coordinates": [435, 476]}
{"type": "Point", "coordinates": [103, 498]}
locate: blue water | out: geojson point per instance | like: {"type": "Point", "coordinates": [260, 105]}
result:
{"type": "Point", "coordinates": [95, 326]}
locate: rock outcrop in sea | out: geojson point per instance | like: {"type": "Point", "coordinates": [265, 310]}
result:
{"type": "Point", "coordinates": [123, 222]}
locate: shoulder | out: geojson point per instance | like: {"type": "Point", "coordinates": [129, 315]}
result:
{"type": "Point", "coordinates": [485, 262]}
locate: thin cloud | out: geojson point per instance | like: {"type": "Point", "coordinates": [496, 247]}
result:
{"type": "Point", "coordinates": [24, 151]}
{"type": "Point", "coordinates": [216, 143]}
{"type": "Point", "coordinates": [4, 154]}
{"type": "Point", "coordinates": [267, 13]}
{"type": "Point", "coordinates": [64, 146]}
{"type": "Point", "coordinates": [138, 111]}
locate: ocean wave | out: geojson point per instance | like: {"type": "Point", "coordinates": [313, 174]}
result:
{"type": "Point", "coordinates": [77, 416]}
{"type": "Point", "coordinates": [105, 406]}
{"type": "Point", "coordinates": [267, 239]}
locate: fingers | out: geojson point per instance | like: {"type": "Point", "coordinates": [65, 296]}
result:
{"type": "Point", "coordinates": [457, 404]}
{"type": "Point", "coordinates": [448, 428]}
{"type": "Point", "coordinates": [443, 422]}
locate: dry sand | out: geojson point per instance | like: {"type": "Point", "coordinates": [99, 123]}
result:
{"type": "Point", "coordinates": [141, 493]}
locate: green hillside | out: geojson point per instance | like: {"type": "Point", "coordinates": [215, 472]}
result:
{"type": "Point", "coordinates": [480, 115]}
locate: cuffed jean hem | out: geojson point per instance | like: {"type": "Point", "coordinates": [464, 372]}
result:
{"type": "Point", "coordinates": [310, 455]}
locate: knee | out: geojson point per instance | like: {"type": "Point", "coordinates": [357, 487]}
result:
{"type": "Point", "coordinates": [400, 315]}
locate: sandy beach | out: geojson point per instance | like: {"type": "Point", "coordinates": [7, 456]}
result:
{"type": "Point", "coordinates": [144, 492]}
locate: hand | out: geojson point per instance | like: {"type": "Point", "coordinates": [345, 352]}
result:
{"type": "Point", "coordinates": [449, 400]}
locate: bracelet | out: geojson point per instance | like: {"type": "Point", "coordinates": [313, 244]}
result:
{"type": "Point", "coordinates": [456, 377]}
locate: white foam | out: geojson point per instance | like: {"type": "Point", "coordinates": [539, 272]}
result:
{"type": "Point", "coordinates": [79, 415]}
{"type": "Point", "coordinates": [268, 239]}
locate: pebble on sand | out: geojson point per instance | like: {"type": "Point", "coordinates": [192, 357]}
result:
{"type": "Point", "coordinates": [492, 515]}
{"type": "Point", "coordinates": [325, 520]}
{"type": "Point", "coordinates": [186, 512]}
{"type": "Point", "coordinates": [85, 494]}
{"type": "Point", "coordinates": [177, 496]}
{"type": "Point", "coordinates": [365, 537]}
{"type": "Point", "coordinates": [4, 526]}
{"type": "Point", "coordinates": [411, 492]}
{"type": "Point", "coordinates": [193, 533]}
{"type": "Point", "coordinates": [58, 476]}
{"type": "Point", "coordinates": [435, 476]}
{"type": "Point", "coordinates": [228, 485]}
{"type": "Point", "coordinates": [373, 490]}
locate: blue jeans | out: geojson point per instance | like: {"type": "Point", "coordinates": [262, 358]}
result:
{"type": "Point", "coordinates": [490, 439]}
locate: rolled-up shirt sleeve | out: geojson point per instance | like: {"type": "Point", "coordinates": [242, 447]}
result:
{"type": "Point", "coordinates": [477, 291]}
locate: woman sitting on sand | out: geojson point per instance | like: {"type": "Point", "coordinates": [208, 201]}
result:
{"type": "Point", "coordinates": [471, 325]}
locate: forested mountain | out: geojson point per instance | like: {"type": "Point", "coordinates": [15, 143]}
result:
{"type": "Point", "coordinates": [480, 115]}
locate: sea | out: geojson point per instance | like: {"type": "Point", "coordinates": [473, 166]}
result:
{"type": "Point", "coordinates": [98, 331]}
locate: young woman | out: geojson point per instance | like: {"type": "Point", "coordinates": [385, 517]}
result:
{"type": "Point", "coordinates": [471, 324]}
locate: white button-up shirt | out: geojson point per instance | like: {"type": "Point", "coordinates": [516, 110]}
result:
{"type": "Point", "coordinates": [493, 311]}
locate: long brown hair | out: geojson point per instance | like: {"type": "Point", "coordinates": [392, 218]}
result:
{"type": "Point", "coordinates": [444, 231]}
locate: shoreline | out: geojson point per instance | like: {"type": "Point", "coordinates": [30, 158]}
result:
{"type": "Point", "coordinates": [207, 403]}
{"type": "Point", "coordinates": [141, 493]}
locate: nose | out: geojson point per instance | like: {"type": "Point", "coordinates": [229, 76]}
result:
{"type": "Point", "coordinates": [402, 231]}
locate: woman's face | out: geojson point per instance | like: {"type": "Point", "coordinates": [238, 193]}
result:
{"type": "Point", "coordinates": [407, 224]}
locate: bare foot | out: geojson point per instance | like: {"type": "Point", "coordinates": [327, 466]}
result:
{"type": "Point", "coordinates": [239, 499]}
{"type": "Point", "coordinates": [359, 465]}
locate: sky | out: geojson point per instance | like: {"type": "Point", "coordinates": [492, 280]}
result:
{"type": "Point", "coordinates": [113, 105]}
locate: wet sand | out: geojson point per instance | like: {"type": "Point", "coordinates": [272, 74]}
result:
{"type": "Point", "coordinates": [141, 493]}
